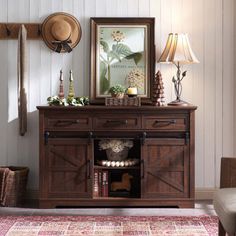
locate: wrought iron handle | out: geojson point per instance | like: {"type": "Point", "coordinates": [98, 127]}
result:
{"type": "Point", "coordinates": [187, 137]}
{"type": "Point", "coordinates": [46, 136]}
{"type": "Point", "coordinates": [90, 137]}
{"type": "Point", "coordinates": [66, 122]}
{"type": "Point", "coordinates": [142, 169]}
{"type": "Point", "coordinates": [117, 122]}
{"type": "Point", "coordinates": [88, 170]}
{"type": "Point", "coordinates": [143, 138]}
{"type": "Point", "coordinates": [165, 122]}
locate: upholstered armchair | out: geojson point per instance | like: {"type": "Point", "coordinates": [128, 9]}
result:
{"type": "Point", "coordinates": [225, 198]}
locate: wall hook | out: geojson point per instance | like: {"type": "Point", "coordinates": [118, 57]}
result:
{"type": "Point", "coordinates": [8, 31]}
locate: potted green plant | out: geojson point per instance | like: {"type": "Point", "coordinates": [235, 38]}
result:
{"type": "Point", "coordinates": [117, 91]}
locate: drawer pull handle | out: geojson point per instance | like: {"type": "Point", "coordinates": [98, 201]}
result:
{"type": "Point", "coordinates": [64, 123]}
{"type": "Point", "coordinates": [117, 122]}
{"type": "Point", "coordinates": [165, 122]}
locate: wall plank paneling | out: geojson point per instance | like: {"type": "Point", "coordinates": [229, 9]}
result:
{"type": "Point", "coordinates": [4, 90]}
{"type": "Point", "coordinates": [144, 8]}
{"type": "Point", "coordinates": [111, 8]}
{"type": "Point", "coordinates": [219, 92]}
{"type": "Point", "coordinates": [122, 8]}
{"type": "Point", "coordinates": [209, 91]}
{"type": "Point", "coordinates": [165, 24]}
{"type": "Point", "coordinates": [57, 59]}
{"type": "Point", "coordinates": [89, 10]}
{"type": "Point", "coordinates": [34, 94]}
{"type": "Point", "coordinates": [197, 40]}
{"type": "Point", "coordinates": [132, 8]}
{"type": "Point", "coordinates": [13, 15]}
{"type": "Point", "coordinates": [101, 9]}
{"type": "Point", "coordinates": [77, 58]}
{"type": "Point", "coordinates": [155, 11]}
{"type": "Point", "coordinates": [209, 85]}
{"type": "Point", "coordinates": [228, 77]}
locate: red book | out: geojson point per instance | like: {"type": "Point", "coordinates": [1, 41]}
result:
{"type": "Point", "coordinates": [100, 183]}
{"type": "Point", "coordinates": [95, 184]}
{"type": "Point", "coordinates": [105, 183]}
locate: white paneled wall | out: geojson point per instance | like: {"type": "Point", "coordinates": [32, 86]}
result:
{"type": "Point", "coordinates": [209, 85]}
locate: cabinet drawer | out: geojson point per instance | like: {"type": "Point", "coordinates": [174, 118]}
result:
{"type": "Point", "coordinates": [70, 123]}
{"type": "Point", "coordinates": [118, 122]}
{"type": "Point", "coordinates": [165, 123]}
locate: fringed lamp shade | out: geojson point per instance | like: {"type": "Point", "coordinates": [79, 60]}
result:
{"type": "Point", "coordinates": [178, 50]}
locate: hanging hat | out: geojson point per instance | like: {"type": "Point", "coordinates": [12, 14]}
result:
{"type": "Point", "coordinates": [61, 32]}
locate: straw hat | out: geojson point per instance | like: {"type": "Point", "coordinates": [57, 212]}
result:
{"type": "Point", "coordinates": [61, 32]}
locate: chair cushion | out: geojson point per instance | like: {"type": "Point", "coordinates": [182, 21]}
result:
{"type": "Point", "coordinates": [225, 206]}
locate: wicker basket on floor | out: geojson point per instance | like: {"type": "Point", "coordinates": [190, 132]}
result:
{"type": "Point", "coordinates": [13, 181]}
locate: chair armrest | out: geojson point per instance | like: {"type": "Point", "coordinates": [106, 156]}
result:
{"type": "Point", "coordinates": [228, 172]}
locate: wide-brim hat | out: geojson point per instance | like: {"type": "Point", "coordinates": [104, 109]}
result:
{"type": "Point", "coordinates": [60, 30]}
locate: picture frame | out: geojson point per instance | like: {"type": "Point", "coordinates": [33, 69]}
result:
{"type": "Point", "coordinates": [122, 52]}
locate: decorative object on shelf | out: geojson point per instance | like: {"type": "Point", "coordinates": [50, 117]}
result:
{"type": "Point", "coordinates": [116, 149]}
{"type": "Point", "coordinates": [124, 184]}
{"type": "Point", "coordinates": [71, 100]}
{"type": "Point", "coordinates": [122, 52]}
{"type": "Point", "coordinates": [71, 93]}
{"type": "Point", "coordinates": [21, 79]}
{"type": "Point", "coordinates": [132, 91]}
{"type": "Point", "coordinates": [61, 94]}
{"type": "Point", "coordinates": [158, 90]}
{"type": "Point", "coordinates": [125, 101]}
{"type": "Point", "coordinates": [124, 163]}
{"type": "Point", "coordinates": [117, 156]}
{"type": "Point", "coordinates": [78, 101]}
{"type": "Point", "coordinates": [179, 52]}
{"type": "Point", "coordinates": [117, 91]}
{"type": "Point", "coordinates": [61, 32]}
{"type": "Point", "coordinates": [136, 79]}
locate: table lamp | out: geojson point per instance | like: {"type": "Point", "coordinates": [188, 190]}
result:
{"type": "Point", "coordinates": [179, 52]}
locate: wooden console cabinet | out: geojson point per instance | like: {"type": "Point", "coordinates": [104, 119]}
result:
{"type": "Point", "coordinates": [163, 142]}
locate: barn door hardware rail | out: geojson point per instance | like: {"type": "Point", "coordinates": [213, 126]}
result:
{"type": "Point", "coordinates": [11, 30]}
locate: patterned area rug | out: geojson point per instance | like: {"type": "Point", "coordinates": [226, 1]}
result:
{"type": "Point", "coordinates": [108, 225]}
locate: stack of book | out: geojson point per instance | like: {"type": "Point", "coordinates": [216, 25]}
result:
{"type": "Point", "coordinates": [100, 188]}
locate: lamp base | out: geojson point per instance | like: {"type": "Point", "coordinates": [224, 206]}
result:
{"type": "Point", "coordinates": [178, 102]}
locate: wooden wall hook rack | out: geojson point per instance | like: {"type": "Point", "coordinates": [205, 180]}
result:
{"type": "Point", "coordinates": [10, 30]}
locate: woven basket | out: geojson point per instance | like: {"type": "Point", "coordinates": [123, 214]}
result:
{"type": "Point", "coordinates": [117, 156]}
{"type": "Point", "coordinates": [13, 181]}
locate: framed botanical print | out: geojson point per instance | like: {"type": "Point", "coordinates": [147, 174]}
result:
{"type": "Point", "coordinates": [122, 52]}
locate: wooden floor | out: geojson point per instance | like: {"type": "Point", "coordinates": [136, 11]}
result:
{"type": "Point", "coordinates": [201, 208]}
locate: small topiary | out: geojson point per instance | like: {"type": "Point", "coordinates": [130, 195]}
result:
{"type": "Point", "coordinates": [117, 91]}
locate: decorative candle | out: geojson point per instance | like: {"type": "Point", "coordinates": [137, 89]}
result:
{"type": "Point", "coordinates": [133, 91]}
{"type": "Point", "coordinates": [61, 88]}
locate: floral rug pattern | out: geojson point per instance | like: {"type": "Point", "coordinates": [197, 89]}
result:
{"type": "Point", "coordinates": [108, 225]}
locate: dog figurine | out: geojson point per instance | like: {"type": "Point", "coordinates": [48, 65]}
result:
{"type": "Point", "coordinates": [124, 184]}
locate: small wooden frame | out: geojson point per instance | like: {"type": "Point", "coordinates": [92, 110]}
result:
{"type": "Point", "coordinates": [126, 101]}
{"type": "Point", "coordinates": [10, 30]}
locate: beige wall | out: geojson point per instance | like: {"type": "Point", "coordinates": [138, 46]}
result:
{"type": "Point", "coordinates": [209, 85]}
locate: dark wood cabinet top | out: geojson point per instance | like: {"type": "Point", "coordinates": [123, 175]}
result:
{"type": "Point", "coordinates": [118, 108]}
